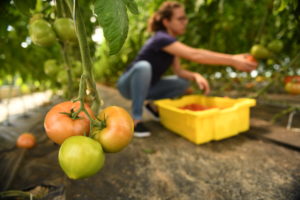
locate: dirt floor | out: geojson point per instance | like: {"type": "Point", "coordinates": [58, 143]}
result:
{"type": "Point", "coordinates": [163, 166]}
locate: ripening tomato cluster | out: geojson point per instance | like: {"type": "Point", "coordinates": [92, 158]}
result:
{"type": "Point", "coordinates": [259, 51]}
{"type": "Point", "coordinates": [82, 153]}
{"type": "Point", "coordinates": [43, 34]}
{"type": "Point", "coordinates": [268, 51]}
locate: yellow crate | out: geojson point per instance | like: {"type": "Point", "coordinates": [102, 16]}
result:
{"type": "Point", "coordinates": [204, 126]}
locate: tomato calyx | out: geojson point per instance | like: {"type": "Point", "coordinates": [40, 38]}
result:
{"type": "Point", "coordinates": [97, 125]}
{"type": "Point", "coordinates": [72, 114]}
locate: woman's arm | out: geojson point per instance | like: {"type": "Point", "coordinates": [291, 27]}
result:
{"type": "Point", "coordinates": [203, 56]}
{"type": "Point", "coordinates": [200, 80]}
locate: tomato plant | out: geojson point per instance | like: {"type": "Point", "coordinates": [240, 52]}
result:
{"type": "Point", "coordinates": [61, 121]}
{"type": "Point", "coordinates": [118, 129]}
{"type": "Point", "coordinates": [41, 33]}
{"type": "Point", "coordinates": [26, 141]}
{"type": "Point", "coordinates": [65, 29]}
{"type": "Point", "coordinates": [80, 157]}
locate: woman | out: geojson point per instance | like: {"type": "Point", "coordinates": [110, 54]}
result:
{"type": "Point", "coordinates": [143, 78]}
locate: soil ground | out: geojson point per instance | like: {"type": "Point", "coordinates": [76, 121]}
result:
{"type": "Point", "coordinates": [248, 166]}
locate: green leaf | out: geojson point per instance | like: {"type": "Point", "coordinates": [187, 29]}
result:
{"type": "Point", "coordinates": [132, 6]}
{"type": "Point", "coordinates": [25, 6]}
{"type": "Point", "coordinates": [112, 16]}
{"type": "Point", "coordinates": [280, 5]}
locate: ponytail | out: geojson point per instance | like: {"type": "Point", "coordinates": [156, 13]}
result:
{"type": "Point", "coordinates": [165, 11]}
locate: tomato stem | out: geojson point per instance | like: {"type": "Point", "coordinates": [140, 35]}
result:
{"type": "Point", "coordinates": [285, 112]}
{"type": "Point", "coordinates": [87, 80]}
{"type": "Point", "coordinates": [68, 69]}
{"type": "Point", "coordinates": [85, 53]}
{"type": "Point", "coordinates": [81, 95]}
{"type": "Point", "coordinates": [62, 12]}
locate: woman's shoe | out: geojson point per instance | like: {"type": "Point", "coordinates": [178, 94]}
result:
{"type": "Point", "coordinates": [141, 131]}
{"type": "Point", "coordinates": [152, 109]}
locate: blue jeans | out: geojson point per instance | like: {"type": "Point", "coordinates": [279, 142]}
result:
{"type": "Point", "coordinates": [135, 84]}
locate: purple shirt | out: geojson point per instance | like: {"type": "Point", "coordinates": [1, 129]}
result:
{"type": "Point", "coordinates": [152, 52]}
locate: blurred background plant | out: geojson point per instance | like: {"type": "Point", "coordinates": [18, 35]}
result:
{"type": "Point", "coordinates": [225, 26]}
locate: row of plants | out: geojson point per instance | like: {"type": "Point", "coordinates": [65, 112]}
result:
{"type": "Point", "coordinates": [267, 29]}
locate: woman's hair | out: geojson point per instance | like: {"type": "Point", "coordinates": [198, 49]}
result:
{"type": "Point", "coordinates": [165, 11]}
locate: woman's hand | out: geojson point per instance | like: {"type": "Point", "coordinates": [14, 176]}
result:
{"type": "Point", "coordinates": [202, 83]}
{"type": "Point", "coordinates": [242, 62]}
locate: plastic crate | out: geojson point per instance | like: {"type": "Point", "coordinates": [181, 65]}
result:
{"type": "Point", "coordinates": [228, 118]}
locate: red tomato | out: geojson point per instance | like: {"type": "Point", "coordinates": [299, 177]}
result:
{"type": "Point", "coordinates": [292, 88]}
{"type": "Point", "coordinates": [118, 130]}
{"type": "Point", "coordinates": [26, 141]}
{"type": "Point", "coordinates": [194, 107]}
{"type": "Point", "coordinates": [295, 79]}
{"type": "Point", "coordinates": [251, 59]}
{"type": "Point", "coordinates": [60, 126]}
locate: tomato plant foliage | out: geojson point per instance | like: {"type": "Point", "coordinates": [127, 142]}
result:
{"type": "Point", "coordinates": [231, 27]}
{"type": "Point", "coordinates": [112, 16]}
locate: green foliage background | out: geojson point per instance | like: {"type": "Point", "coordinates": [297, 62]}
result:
{"type": "Point", "coordinates": [219, 25]}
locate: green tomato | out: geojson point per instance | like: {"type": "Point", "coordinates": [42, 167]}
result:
{"type": "Point", "coordinates": [276, 46]}
{"type": "Point", "coordinates": [260, 52]}
{"type": "Point", "coordinates": [41, 33]}
{"type": "Point", "coordinates": [62, 77]}
{"type": "Point", "coordinates": [80, 157]}
{"type": "Point", "coordinates": [50, 67]}
{"type": "Point", "coordinates": [65, 29]}
{"type": "Point", "coordinates": [77, 68]}
{"type": "Point", "coordinates": [270, 61]}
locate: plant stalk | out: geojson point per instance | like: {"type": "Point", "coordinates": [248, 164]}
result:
{"type": "Point", "coordinates": [85, 53]}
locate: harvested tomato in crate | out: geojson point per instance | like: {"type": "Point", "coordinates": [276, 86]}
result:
{"type": "Point", "coordinates": [194, 107]}
{"type": "Point", "coordinates": [220, 117]}
{"type": "Point", "coordinates": [197, 107]}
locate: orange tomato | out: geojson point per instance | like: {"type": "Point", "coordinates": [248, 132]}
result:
{"type": "Point", "coordinates": [60, 126]}
{"type": "Point", "coordinates": [251, 59]}
{"type": "Point", "coordinates": [26, 141]}
{"type": "Point", "coordinates": [118, 130]}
